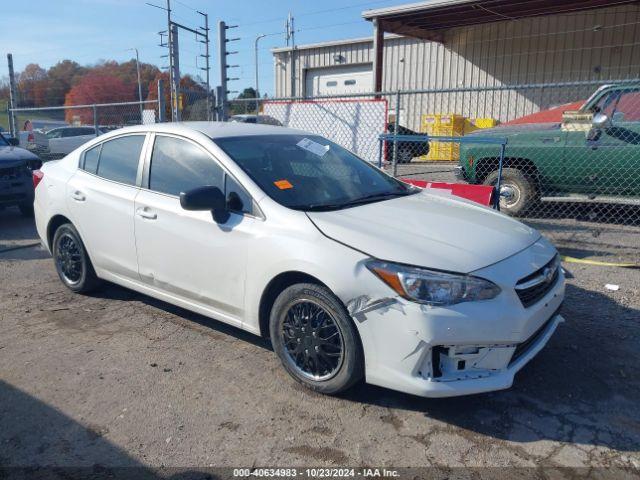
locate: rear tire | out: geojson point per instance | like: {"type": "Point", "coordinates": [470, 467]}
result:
{"type": "Point", "coordinates": [26, 209]}
{"type": "Point", "coordinates": [518, 192]}
{"type": "Point", "coordinates": [315, 338]}
{"type": "Point", "coordinates": [71, 260]}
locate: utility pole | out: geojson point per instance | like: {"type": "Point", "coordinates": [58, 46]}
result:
{"type": "Point", "coordinates": [223, 53]}
{"type": "Point", "coordinates": [174, 55]}
{"type": "Point", "coordinates": [290, 31]}
{"type": "Point", "coordinates": [139, 84]}
{"type": "Point", "coordinates": [257, 76]}
{"type": "Point", "coordinates": [222, 56]}
{"type": "Point", "coordinates": [13, 99]}
{"type": "Point", "coordinates": [206, 59]}
{"type": "Point", "coordinates": [172, 83]}
{"type": "Point", "coordinates": [202, 35]}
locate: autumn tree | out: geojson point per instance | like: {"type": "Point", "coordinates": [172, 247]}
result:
{"type": "Point", "coordinates": [191, 92]}
{"type": "Point", "coordinates": [32, 85]}
{"type": "Point", "coordinates": [127, 72]}
{"type": "Point", "coordinates": [62, 76]}
{"type": "Point", "coordinates": [98, 87]}
{"type": "Point", "coordinates": [39, 87]}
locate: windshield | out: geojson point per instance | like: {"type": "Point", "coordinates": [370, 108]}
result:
{"type": "Point", "coordinates": [3, 141]}
{"type": "Point", "coordinates": [309, 172]}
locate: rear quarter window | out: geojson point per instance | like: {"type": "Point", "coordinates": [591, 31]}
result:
{"type": "Point", "coordinates": [91, 157]}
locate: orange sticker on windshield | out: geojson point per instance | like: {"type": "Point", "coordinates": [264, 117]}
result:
{"type": "Point", "coordinates": [283, 184]}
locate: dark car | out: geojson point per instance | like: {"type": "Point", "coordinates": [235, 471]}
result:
{"type": "Point", "coordinates": [16, 183]}
{"type": "Point", "coordinates": [406, 150]}
{"type": "Point", "coordinates": [251, 118]}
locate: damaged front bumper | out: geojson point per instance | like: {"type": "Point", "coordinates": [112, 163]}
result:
{"type": "Point", "coordinates": [453, 370]}
{"type": "Point", "coordinates": [462, 370]}
{"type": "Point", "coordinates": [467, 348]}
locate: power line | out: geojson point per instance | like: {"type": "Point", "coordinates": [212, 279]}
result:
{"type": "Point", "coordinates": [185, 5]}
{"type": "Point", "coordinates": [305, 14]}
{"type": "Point", "coordinates": [202, 36]}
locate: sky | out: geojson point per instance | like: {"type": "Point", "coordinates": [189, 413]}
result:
{"type": "Point", "coordinates": [88, 31]}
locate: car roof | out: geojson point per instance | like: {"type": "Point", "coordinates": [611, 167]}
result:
{"type": "Point", "coordinates": [214, 129]}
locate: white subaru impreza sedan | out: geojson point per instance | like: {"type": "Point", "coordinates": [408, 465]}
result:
{"type": "Point", "coordinates": [351, 273]}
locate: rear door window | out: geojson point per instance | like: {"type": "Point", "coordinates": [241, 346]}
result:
{"type": "Point", "coordinates": [119, 159]}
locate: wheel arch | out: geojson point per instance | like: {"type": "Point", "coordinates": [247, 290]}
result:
{"type": "Point", "coordinates": [486, 165]}
{"type": "Point", "coordinates": [276, 286]}
{"type": "Point", "coordinates": [54, 223]}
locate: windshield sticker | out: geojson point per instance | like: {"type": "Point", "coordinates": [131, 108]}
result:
{"type": "Point", "coordinates": [283, 184]}
{"type": "Point", "coordinates": [313, 147]}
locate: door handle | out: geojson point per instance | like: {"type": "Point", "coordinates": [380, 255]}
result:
{"type": "Point", "coordinates": [78, 196]}
{"type": "Point", "coordinates": [144, 213]}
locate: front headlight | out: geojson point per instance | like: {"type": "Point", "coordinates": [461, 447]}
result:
{"type": "Point", "coordinates": [432, 287]}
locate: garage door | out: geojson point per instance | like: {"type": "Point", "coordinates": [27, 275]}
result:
{"type": "Point", "coordinates": [339, 80]}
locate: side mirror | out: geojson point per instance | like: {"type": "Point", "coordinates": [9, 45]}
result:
{"type": "Point", "coordinates": [203, 198]}
{"type": "Point", "coordinates": [14, 142]}
{"type": "Point", "coordinates": [600, 120]}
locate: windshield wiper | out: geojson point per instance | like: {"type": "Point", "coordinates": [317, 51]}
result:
{"type": "Point", "coordinates": [374, 197]}
{"type": "Point", "coordinates": [320, 207]}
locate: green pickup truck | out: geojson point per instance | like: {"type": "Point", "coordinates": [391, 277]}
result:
{"type": "Point", "coordinates": [593, 153]}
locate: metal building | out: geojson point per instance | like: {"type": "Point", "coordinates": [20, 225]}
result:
{"type": "Point", "coordinates": [466, 45]}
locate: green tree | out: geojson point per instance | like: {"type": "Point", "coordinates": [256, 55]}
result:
{"type": "Point", "coordinates": [237, 108]}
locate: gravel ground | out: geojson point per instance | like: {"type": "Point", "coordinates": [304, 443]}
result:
{"type": "Point", "coordinates": [120, 379]}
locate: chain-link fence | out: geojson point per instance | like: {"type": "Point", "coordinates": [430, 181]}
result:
{"type": "Point", "coordinates": [195, 105]}
{"type": "Point", "coordinates": [571, 160]}
{"type": "Point", "coordinates": [52, 132]}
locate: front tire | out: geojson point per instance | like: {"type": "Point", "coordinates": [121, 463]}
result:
{"type": "Point", "coordinates": [71, 260]}
{"type": "Point", "coordinates": [315, 339]}
{"type": "Point", "coordinates": [517, 191]}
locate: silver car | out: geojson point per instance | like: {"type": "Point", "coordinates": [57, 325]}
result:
{"type": "Point", "coordinates": [64, 140]}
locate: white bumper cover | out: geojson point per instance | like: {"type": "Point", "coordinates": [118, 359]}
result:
{"type": "Point", "coordinates": [467, 348]}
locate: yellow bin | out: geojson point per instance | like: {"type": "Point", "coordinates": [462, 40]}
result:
{"type": "Point", "coordinates": [443, 125]}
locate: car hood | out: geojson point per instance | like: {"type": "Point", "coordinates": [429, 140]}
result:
{"type": "Point", "coordinates": [431, 229]}
{"type": "Point", "coordinates": [15, 154]}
